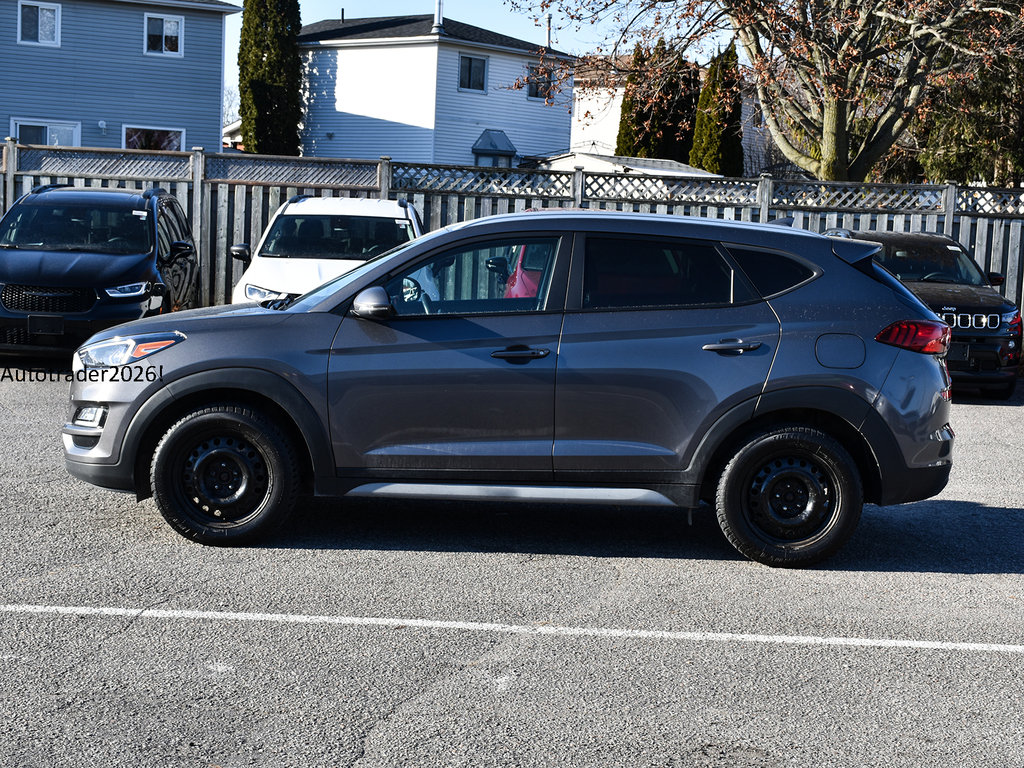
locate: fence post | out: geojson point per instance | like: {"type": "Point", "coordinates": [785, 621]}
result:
{"type": "Point", "coordinates": [10, 166]}
{"type": "Point", "coordinates": [949, 195]}
{"type": "Point", "coordinates": [764, 196]}
{"type": "Point", "coordinates": [577, 186]}
{"type": "Point", "coordinates": [384, 177]}
{"type": "Point", "coordinates": [200, 223]}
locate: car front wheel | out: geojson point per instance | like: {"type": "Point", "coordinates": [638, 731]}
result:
{"type": "Point", "coordinates": [224, 474]}
{"type": "Point", "coordinates": [790, 496]}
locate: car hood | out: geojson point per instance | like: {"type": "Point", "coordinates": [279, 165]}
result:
{"type": "Point", "coordinates": [73, 268]}
{"type": "Point", "coordinates": [189, 320]}
{"type": "Point", "coordinates": [296, 276]}
{"type": "Point", "coordinates": [940, 296]}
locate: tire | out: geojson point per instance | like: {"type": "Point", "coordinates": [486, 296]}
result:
{"type": "Point", "coordinates": [224, 474]}
{"type": "Point", "coordinates": [790, 497]}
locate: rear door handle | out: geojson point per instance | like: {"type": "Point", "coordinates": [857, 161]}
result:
{"type": "Point", "coordinates": [732, 346]}
{"type": "Point", "coordinates": [520, 354]}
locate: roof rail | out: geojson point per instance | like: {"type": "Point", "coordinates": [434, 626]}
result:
{"type": "Point", "coordinates": [46, 187]}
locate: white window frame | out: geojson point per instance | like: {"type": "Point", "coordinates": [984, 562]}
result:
{"type": "Point", "coordinates": [487, 71]}
{"type": "Point", "coordinates": [126, 126]}
{"type": "Point", "coordinates": [76, 127]}
{"type": "Point", "coordinates": [56, 33]}
{"type": "Point", "coordinates": [180, 53]}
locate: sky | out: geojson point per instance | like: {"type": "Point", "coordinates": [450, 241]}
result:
{"type": "Point", "coordinates": [495, 15]}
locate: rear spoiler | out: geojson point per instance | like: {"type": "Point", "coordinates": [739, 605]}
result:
{"type": "Point", "coordinates": [856, 253]}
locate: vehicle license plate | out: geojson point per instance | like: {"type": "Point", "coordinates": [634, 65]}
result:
{"type": "Point", "coordinates": [49, 324]}
{"type": "Point", "coordinates": [958, 352]}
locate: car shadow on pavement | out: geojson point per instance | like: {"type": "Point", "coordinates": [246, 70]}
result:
{"type": "Point", "coordinates": [526, 528]}
{"type": "Point", "coordinates": [936, 536]}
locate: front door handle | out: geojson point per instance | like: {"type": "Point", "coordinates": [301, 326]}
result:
{"type": "Point", "coordinates": [732, 346]}
{"type": "Point", "coordinates": [520, 354]}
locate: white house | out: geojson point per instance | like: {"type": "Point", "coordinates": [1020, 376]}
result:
{"type": "Point", "coordinates": [595, 128]}
{"type": "Point", "coordinates": [427, 89]}
{"type": "Point", "coordinates": [605, 163]}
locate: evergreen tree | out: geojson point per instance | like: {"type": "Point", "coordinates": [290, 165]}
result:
{"type": "Point", "coordinates": [718, 133]}
{"type": "Point", "coordinates": [975, 131]}
{"type": "Point", "coordinates": [270, 76]}
{"type": "Point", "coordinates": [631, 115]}
{"type": "Point", "coordinates": [658, 108]}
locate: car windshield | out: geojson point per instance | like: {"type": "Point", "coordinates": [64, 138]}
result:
{"type": "Point", "coordinates": [938, 262]}
{"type": "Point", "coordinates": [76, 228]}
{"type": "Point", "coordinates": [334, 237]}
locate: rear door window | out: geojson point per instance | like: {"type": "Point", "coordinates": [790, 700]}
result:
{"type": "Point", "coordinates": [640, 273]}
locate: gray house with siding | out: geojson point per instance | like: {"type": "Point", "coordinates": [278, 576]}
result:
{"type": "Point", "coordinates": [430, 90]}
{"type": "Point", "coordinates": [113, 73]}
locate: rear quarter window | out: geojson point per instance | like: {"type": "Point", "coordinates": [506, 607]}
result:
{"type": "Point", "coordinates": [771, 272]}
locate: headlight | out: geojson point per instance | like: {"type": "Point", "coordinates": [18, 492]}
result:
{"type": "Point", "coordinates": [122, 350]}
{"type": "Point", "coordinates": [129, 291]}
{"type": "Point", "coordinates": [255, 293]}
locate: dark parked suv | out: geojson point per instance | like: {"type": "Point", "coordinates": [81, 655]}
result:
{"type": "Point", "coordinates": [985, 348]}
{"type": "Point", "coordinates": [74, 261]}
{"type": "Point", "coordinates": [782, 376]}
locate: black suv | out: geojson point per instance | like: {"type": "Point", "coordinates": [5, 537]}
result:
{"type": "Point", "coordinates": [74, 261]}
{"type": "Point", "coordinates": [985, 352]}
{"type": "Point", "coordinates": [782, 376]}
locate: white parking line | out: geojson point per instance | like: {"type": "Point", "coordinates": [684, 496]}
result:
{"type": "Point", "coordinates": [508, 629]}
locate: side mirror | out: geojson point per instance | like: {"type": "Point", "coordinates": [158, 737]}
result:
{"type": "Point", "coordinates": [372, 304]}
{"type": "Point", "coordinates": [182, 248]}
{"type": "Point", "coordinates": [499, 266]}
{"type": "Point", "coordinates": [158, 289]}
{"type": "Point", "coordinates": [241, 252]}
{"type": "Point", "coordinates": [996, 278]}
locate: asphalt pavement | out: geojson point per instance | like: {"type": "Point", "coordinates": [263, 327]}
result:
{"type": "Point", "coordinates": [459, 634]}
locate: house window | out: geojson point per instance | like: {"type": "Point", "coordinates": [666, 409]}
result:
{"type": "Point", "coordinates": [472, 73]}
{"type": "Point", "coordinates": [538, 83]}
{"type": "Point", "coordinates": [50, 132]}
{"type": "Point", "coordinates": [39, 23]}
{"type": "Point", "coordinates": [164, 139]}
{"type": "Point", "coordinates": [163, 35]}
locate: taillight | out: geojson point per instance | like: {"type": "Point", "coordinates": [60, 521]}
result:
{"type": "Point", "coordinates": [925, 336]}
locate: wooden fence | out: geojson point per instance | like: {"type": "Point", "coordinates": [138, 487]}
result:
{"type": "Point", "coordinates": [230, 197]}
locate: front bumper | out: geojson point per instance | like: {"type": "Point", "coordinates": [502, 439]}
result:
{"type": "Point", "coordinates": [982, 360]}
{"type": "Point", "coordinates": [41, 333]}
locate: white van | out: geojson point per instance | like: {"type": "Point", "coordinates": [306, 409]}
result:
{"type": "Point", "coordinates": [311, 240]}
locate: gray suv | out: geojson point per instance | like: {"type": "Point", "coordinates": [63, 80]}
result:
{"type": "Point", "coordinates": [577, 356]}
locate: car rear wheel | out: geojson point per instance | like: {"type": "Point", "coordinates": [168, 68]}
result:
{"type": "Point", "coordinates": [224, 474]}
{"type": "Point", "coordinates": [790, 496]}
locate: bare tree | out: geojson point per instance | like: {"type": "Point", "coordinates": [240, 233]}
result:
{"type": "Point", "coordinates": [838, 80]}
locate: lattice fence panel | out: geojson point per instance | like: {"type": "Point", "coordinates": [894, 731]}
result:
{"type": "Point", "coordinates": [629, 187]}
{"type": "Point", "coordinates": [124, 164]}
{"type": "Point", "coordinates": [461, 180]}
{"type": "Point", "coordinates": [839, 196]}
{"type": "Point", "coordinates": [293, 171]}
{"type": "Point", "coordinates": [994, 202]}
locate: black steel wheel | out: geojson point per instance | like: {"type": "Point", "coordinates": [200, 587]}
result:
{"type": "Point", "coordinates": [224, 475]}
{"type": "Point", "coordinates": [790, 496]}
